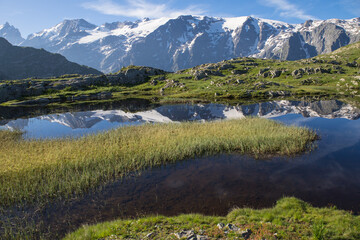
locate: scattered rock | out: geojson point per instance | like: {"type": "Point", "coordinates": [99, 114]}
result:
{"type": "Point", "coordinates": [153, 82]}
{"type": "Point", "coordinates": [322, 70]}
{"type": "Point", "coordinates": [309, 81]}
{"type": "Point", "coordinates": [246, 234]}
{"type": "Point", "coordinates": [352, 64]}
{"type": "Point", "coordinates": [240, 81]}
{"type": "Point", "coordinates": [226, 66]}
{"type": "Point", "coordinates": [26, 88]}
{"type": "Point", "coordinates": [334, 62]}
{"type": "Point", "coordinates": [149, 235]}
{"type": "Point", "coordinates": [232, 227]}
{"type": "Point", "coordinates": [238, 72]}
{"type": "Point", "coordinates": [275, 73]}
{"type": "Point", "coordinates": [173, 83]}
{"type": "Point", "coordinates": [260, 85]}
{"type": "Point", "coordinates": [220, 226]}
{"type": "Point", "coordinates": [278, 93]}
{"type": "Point", "coordinates": [186, 234]}
{"type": "Point", "coordinates": [298, 73]}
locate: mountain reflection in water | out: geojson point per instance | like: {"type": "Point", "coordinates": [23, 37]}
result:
{"type": "Point", "coordinates": [81, 123]}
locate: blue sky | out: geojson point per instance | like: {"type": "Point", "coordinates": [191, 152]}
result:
{"type": "Point", "coordinates": [33, 16]}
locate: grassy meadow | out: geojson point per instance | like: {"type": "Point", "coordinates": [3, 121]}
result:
{"type": "Point", "coordinates": [42, 170]}
{"type": "Point", "coordinates": [290, 218]}
{"type": "Point", "coordinates": [246, 78]}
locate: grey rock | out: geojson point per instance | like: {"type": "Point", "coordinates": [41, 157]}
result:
{"type": "Point", "coordinates": [226, 66]}
{"type": "Point", "coordinates": [220, 225]}
{"type": "Point", "coordinates": [154, 82]}
{"type": "Point", "coordinates": [232, 227]}
{"type": "Point", "coordinates": [322, 70]}
{"type": "Point", "coordinates": [352, 64]}
{"type": "Point", "coordinates": [309, 81]}
{"type": "Point", "coordinates": [275, 73]}
{"type": "Point", "coordinates": [297, 73]}
{"type": "Point", "coordinates": [240, 81]}
{"type": "Point", "coordinates": [239, 72]}
{"type": "Point", "coordinates": [186, 234]}
{"type": "Point", "coordinates": [246, 234]}
{"type": "Point", "coordinates": [149, 235]}
{"type": "Point", "coordinates": [278, 93]}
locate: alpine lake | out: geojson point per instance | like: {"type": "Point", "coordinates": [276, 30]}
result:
{"type": "Point", "coordinates": [328, 175]}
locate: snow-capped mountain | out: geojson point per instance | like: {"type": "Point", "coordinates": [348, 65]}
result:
{"type": "Point", "coordinates": [187, 41]}
{"type": "Point", "coordinates": [199, 112]}
{"type": "Point", "coordinates": [11, 33]}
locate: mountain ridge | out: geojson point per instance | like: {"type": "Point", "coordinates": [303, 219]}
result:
{"type": "Point", "coordinates": [186, 41]}
{"type": "Point", "coordinates": [24, 62]}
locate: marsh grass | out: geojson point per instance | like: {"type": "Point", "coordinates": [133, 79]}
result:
{"type": "Point", "coordinates": [290, 218]}
{"type": "Point", "coordinates": [44, 170]}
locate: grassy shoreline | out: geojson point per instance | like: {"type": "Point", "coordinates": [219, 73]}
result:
{"type": "Point", "coordinates": [44, 170]}
{"type": "Point", "coordinates": [290, 218]}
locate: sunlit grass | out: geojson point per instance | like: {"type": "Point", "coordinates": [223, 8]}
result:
{"type": "Point", "coordinates": [291, 218]}
{"type": "Point", "coordinates": [41, 170]}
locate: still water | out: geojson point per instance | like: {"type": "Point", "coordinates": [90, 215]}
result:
{"type": "Point", "coordinates": [327, 176]}
{"type": "Point", "coordinates": [75, 124]}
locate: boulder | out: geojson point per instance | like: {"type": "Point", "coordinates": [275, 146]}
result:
{"type": "Point", "coordinates": [275, 73]}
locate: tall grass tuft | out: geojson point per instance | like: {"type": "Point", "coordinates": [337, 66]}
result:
{"type": "Point", "coordinates": [41, 170]}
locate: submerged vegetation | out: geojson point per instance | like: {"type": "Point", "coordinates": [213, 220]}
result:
{"type": "Point", "coordinates": [291, 218]}
{"type": "Point", "coordinates": [41, 170]}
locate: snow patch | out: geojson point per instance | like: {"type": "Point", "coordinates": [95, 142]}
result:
{"type": "Point", "coordinates": [234, 23]}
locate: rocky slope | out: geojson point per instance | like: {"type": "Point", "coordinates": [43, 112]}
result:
{"type": "Point", "coordinates": [24, 62]}
{"type": "Point", "coordinates": [187, 41]}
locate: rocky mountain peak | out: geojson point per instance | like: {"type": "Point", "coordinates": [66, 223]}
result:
{"type": "Point", "coordinates": [187, 41]}
{"type": "Point", "coordinates": [11, 33]}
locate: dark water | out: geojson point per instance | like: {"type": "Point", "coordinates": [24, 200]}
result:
{"type": "Point", "coordinates": [327, 176]}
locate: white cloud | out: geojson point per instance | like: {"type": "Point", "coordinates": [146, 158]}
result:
{"type": "Point", "coordinates": [288, 9]}
{"type": "Point", "coordinates": [140, 9]}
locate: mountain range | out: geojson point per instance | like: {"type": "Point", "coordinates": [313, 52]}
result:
{"type": "Point", "coordinates": [187, 41]}
{"type": "Point", "coordinates": [24, 62]}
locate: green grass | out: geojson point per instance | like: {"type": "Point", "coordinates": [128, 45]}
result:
{"type": "Point", "coordinates": [225, 88]}
{"type": "Point", "coordinates": [41, 170]}
{"type": "Point", "coordinates": [290, 218]}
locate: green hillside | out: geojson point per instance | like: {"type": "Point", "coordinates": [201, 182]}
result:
{"type": "Point", "coordinates": [334, 75]}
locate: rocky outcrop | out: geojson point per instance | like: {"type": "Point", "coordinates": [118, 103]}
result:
{"type": "Point", "coordinates": [24, 88]}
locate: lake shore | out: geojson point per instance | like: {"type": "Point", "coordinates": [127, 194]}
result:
{"type": "Point", "coordinates": [290, 218]}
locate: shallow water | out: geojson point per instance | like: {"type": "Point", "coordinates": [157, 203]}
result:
{"type": "Point", "coordinates": [327, 176]}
